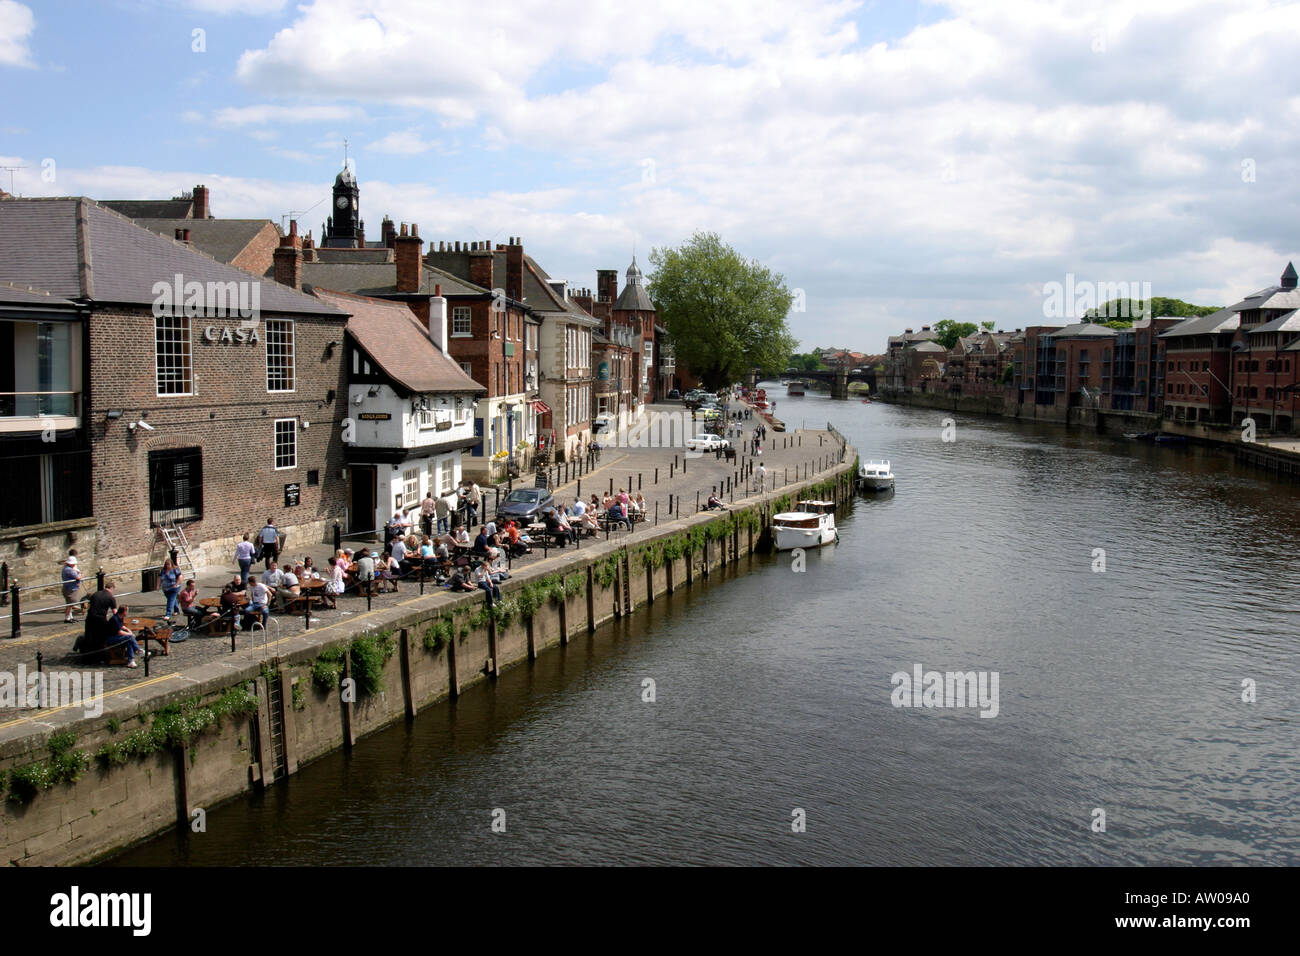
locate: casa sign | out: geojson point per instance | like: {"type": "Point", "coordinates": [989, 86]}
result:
{"type": "Point", "coordinates": [226, 336]}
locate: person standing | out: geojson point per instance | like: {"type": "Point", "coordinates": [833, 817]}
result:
{"type": "Point", "coordinates": [270, 538]}
{"type": "Point", "coordinates": [101, 605]}
{"type": "Point", "coordinates": [259, 603]}
{"type": "Point", "coordinates": [428, 511]}
{"type": "Point", "coordinates": [443, 507]}
{"type": "Point", "coordinates": [170, 582]}
{"type": "Point", "coordinates": [761, 474]}
{"type": "Point", "coordinates": [71, 578]}
{"type": "Point", "coordinates": [244, 552]}
{"type": "Point", "coordinates": [475, 498]}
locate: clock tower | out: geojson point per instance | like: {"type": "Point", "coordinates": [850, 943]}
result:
{"type": "Point", "coordinates": [344, 228]}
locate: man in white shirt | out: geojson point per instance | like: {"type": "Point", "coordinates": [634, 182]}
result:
{"type": "Point", "coordinates": [399, 550]}
{"type": "Point", "coordinates": [270, 538]}
{"type": "Point", "coordinates": [761, 474]}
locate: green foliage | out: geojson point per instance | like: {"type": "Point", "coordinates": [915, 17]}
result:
{"type": "Point", "coordinates": [328, 669]}
{"type": "Point", "coordinates": [806, 362]}
{"type": "Point", "coordinates": [574, 584]}
{"type": "Point", "coordinates": [439, 632]}
{"type": "Point", "coordinates": [369, 653]}
{"type": "Point", "coordinates": [988, 326]}
{"type": "Point", "coordinates": [1125, 310]}
{"type": "Point", "coordinates": [114, 725]}
{"type": "Point", "coordinates": [651, 555]}
{"type": "Point", "coordinates": [605, 570]}
{"type": "Point", "coordinates": [948, 331]}
{"type": "Point", "coordinates": [299, 696]}
{"type": "Point", "coordinates": [674, 547]}
{"type": "Point", "coordinates": [724, 314]}
{"type": "Point", "coordinates": [1007, 374]}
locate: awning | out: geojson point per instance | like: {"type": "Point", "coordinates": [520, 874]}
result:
{"type": "Point", "coordinates": [541, 408]}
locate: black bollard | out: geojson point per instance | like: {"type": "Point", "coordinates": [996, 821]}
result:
{"type": "Point", "coordinates": [233, 632]}
{"type": "Point", "coordinates": [15, 623]}
{"type": "Point", "coordinates": [611, 486]}
{"type": "Point", "coordinates": [579, 487]}
{"type": "Point", "coordinates": [338, 537]}
{"type": "Point", "coordinates": [99, 579]}
{"type": "Point", "coordinates": [656, 474]}
{"type": "Point", "coordinates": [697, 501]}
{"type": "Point", "coordinates": [656, 514]}
{"type": "Point", "coordinates": [39, 660]}
{"type": "Point", "coordinates": [638, 481]}
{"type": "Point", "coordinates": [145, 648]}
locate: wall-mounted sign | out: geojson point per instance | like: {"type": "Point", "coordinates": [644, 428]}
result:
{"type": "Point", "coordinates": [224, 336]}
{"type": "Point", "coordinates": [375, 416]}
{"type": "Point", "coordinates": [292, 493]}
{"type": "Point", "coordinates": [602, 371]}
{"type": "Point", "coordinates": [442, 424]}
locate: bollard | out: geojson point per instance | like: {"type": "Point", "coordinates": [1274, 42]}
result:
{"type": "Point", "coordinates": [656, 474]}
{"type": "Point", "coordinates": [145, 648]}
{"type": "Point", "coordinates": [579, 487]}
{"type": "Point", "coordinates": [306, 615]}
{"type": "Point", "coordinates": [175, 556]}
{"type": "Point", "coordinates": [671, 468]}
{"type": "Point", "coordinates": [15, 624]}
{"type": "Point", "coordinates": [40, 658]}
{"type": "Point", "coordinates": [629, 482]}
{"type": "Point", "coordinates": [697, 501]}
{"type": "Point", "coordinates": [99, 580]}
{"type": "Point", "coordinates": [421, 575]}
{"type": "Point", "coordinates": [338, 537]}
{"type": "Point", "coordinates": [656, 514]}
{"type": "Point", "coordinates": [670, 502]}
{"type": "Point", "coordinates": [370, 587]}
{"type": "Point", "coordinates": [611, 486]}
{"type": "Point", "coordinates": [4, 584]}
{"type": "Point", "coordinates": [233, 632]}
{"type": "Point", "coordinates": [638, 481]}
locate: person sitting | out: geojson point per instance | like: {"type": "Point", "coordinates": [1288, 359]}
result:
{"type": "Point", "coordinates": [556, 530]}
{"type": "Point", "coordinates": [639, 504]}
{"type": "Point", "coordinates": [461, 537]}
{"type": "Point", "coordinates": [119, 633]}
{"type": "Point", "coordinates": [566, 528]}
{"type": "Point", "coordinates": [366, 570]}
{"type": "Point", "coordinates": [388, 571]}
{"type": "Point", "coordinates": [715, 503]}
{"type": "Point", "coordinates": [338, 582]}
{"type": "Point", "coordinates": [259, 603]}
{"type": "Point", "coordinates": [290, 589]}
{"type": "Point", "coordinates": [483, 579]}
{"type": "Point", "coordinates": [398, 551]}
{"type": "Point", "coordinates": [273, 577]}
{"type": "Point", "coordinates": [482, 545]}
{"type": "Point", "coordinates": [594, 504]}
{"type": "Point", "coordinates": [232, 595]}
{"type": "Point", "coordinates": [516, 540]}
{"type": "Point", "coordinates": [309, 572]}
{"type": "Point", "coordinates": [614, 515]}
{"type": "Point", "coordinates": [98, 628]}
{"type": "Point", "coordinates": [190, 607]}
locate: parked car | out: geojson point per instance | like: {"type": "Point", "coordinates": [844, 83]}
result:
{"type": "Point", "coordinates": [674, 394]}
{"type": "Point", "coordinates": [524, 505]}
{"type": "Point", "coordinates": [706, 443]}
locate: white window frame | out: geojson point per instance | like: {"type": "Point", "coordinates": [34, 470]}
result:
{"type": "Point", "coordinates": [274, 328]}
{"type": "Point", "coordinates": [410, 486]}
{"type": "Point", "coordinates": [275, 443]}
{"type": "Point", "coordinates": [459, 312]}
{"type": "Point", "coordinates": [178, 326]}
{"type": "Point", "coordinates": [467, 368]}
{"type": "Point", "coordinates": [424, 419]}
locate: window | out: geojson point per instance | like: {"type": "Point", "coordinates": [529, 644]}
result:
{"type": "Point", "coordinates": [175, 485]}
{"type": "Point", "coordinates": [410, 486]}
{"type": "Point", "coordinates": [460, 320]}
{"type": "Point", "coordinates": [313, 478]}
{"type": "Point", "coordinates": [448, 477]}
{"type": "Point", "coordinates": [286, 443]}
{"type": "Point", "coordinates": [172, 360]}
{"type": "Point", "coordinates": [424, 419]}
{"type": "Point", "coordinates": [467, 369]}
{"type": "Point", "coordinates": [279, 355]}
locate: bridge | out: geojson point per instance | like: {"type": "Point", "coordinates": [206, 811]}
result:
{"type": "Point", "coordinates": [838, 378]}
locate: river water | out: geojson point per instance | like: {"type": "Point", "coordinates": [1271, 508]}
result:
{"type": "Point", "coordinates": [1118, 691]}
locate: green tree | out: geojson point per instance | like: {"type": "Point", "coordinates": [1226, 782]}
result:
{"type": "Point", "coordinates": [806, 362]}
{"type": "Point", "coordinates": [948, 331]}
{"type": "Point", "coordinates": [1121, 312]}
{"type": "Point", "coordinates": [724, 314]}
{"type": "Point", "coordinates": [988, 326]}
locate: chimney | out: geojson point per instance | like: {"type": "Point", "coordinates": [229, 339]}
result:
{"type": "Point", "coordinates": [1289, 276]}
{"type": "Point", "coordinates": [309, 249]}
{"type": "Point", "coordinates": [607, 285]}
{"type": "Point", "coordinates": [907, 331]}
{"type": "Point", "coordinates": [183, 235]}
{"type": "Point", "coordinates": [438, 320]}
{"type": "Point", "coordinates": [515, 269]}
{"type": "Point", "coordinates": [480, 265]}
{"type": "Point", "coordinates": [388, 232]}
{"type": "Point", "coordinates": [925, 328]}
{"type": "Point", "coordinates": [407, 249]}
{"type": "Point", "coordinates": [201, 210]}
{"type": "Point", "coordinates": [288, 259]}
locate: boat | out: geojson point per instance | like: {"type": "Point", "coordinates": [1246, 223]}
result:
{"type": "Point", "coordinates": [1141, 436]}
{"type": "Point", "coordinates": [794, 388]}
{"type": "Point", "coordinates": [875, 476]}
{"type": "Point", "coordinates": [811, 525]}
{"type": "Point", "coordinates": [1171, 439]}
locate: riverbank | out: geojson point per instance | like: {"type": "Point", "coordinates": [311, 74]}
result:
{"type": "Point", "coordinates": [82, 787]}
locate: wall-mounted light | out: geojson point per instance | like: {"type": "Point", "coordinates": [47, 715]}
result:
{"type": "Point", "coordinates": [305, 424]}
{"type": "Point", "coordinates": [113, 414]}
{"type": "Point", "coordinates": [330, 396]}
{"type": "Point", "coordinates": [330, 347]}
{"type": "Point", "coordinates": [373, 391]}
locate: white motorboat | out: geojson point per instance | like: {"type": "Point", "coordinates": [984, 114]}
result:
{"type": "Point", "coordinates": [794, 388]}
{"type": "Point", "coordinates": [811, 525]}
{"type": "Point", "coordinates": [875, 476]}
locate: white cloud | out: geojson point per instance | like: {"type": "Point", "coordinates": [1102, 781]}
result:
{"type": "Point", "coordinates": [229, 7]}
{"type": "Point", "coordinates": [405, 142]}
{"type": "Point", "coordinates": [265, 114]}
{"type": "Point", "coordinates": [17, 24]}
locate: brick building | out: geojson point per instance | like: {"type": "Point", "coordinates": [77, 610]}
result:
{"type": "Point", "coordinates": [207, 396]}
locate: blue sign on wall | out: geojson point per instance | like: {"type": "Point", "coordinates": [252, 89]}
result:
{"type": "Point", "coordinates": [602, 371]}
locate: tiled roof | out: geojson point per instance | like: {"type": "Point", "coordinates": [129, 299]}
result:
{"type": "Point", "coordinates": [152, 208]}
{"type": "Point", "coordinates": [396, 341]}
{"type": "Point", "coordinates": [379, 278]}
{"type": "Point", "coordinates": [1286, 322]}
{"type": "Point", "coordinates": [1225, 320]}
{"type": "Point", "coordinates": [1083, 330]}
{"type": "Point", "coordinates": [222, 239]}
{"type": "Point", "coordinates": [11, 294]}
{"type": "Point", "coordinates": [76, 248]}
{"type": "Point", "coordinates": [540, 296]}
{"type": "Point", "coordinates": [334, 254]}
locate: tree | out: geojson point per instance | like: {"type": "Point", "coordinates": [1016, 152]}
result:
{"type": "Point", "coordinates": [947, 332]}
{"type": "Point", "coordinates": [988, 326]}
{"type": "Point", "coordinates": [724, 314]}
{"type": "Point", "coordinates": [1121, 312]}
{"type": "Point", "coordinates": [806, 362]}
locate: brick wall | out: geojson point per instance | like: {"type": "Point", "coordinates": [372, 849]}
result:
{"type": "Point", "coordinates": [231, 418]}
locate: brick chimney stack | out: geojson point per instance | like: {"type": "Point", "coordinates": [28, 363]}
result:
{"type": "Point", "coordinates": [288, 259]}
{"type": "Point", "coordinates": [407, 249]}
{"type": "Point", "coordinates": [606, 285]}
{"type": "Point", "coordinates": [515, 269]}
{"type": "Point", "coordinates": [201, 208]}
{"type": "Point", "coordinates": [480, 265]}
{"type": "Point", "coordinates": [388, 232]}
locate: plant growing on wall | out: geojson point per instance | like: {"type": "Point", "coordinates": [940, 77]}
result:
{"type": "Point", "coordinates": [328, 669]}
{"type": "Point", "coordinates": [369, 653]}
{"type": "Point", "coordinates": [439, 632]}
{"type": "Point", "coordinates": [178, 725]}
{"type": "Point", "coordinates": [65, 765]}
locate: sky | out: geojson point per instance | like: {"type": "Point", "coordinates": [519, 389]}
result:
{"type": "Point", "coordinates": [897, 162]}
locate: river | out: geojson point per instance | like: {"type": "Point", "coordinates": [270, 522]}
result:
{"type": "Point", "coordinates": [1118, 691]}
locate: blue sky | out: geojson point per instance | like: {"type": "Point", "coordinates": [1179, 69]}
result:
{"type": "Point", "coordinates": [898, 162]}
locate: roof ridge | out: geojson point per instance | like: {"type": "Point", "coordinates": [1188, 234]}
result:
{"type": "Point", "coordinates": [85, 268]}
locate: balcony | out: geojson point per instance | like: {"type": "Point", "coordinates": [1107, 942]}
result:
{"type": "Point", "coordinates": [37, 411]}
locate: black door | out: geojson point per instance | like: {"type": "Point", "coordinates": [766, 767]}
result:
{"type": "Point", "coordinates": [361, 513]}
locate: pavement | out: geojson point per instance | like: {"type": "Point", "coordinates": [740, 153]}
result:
{"type": "Point", "coordinates": [670, 494]}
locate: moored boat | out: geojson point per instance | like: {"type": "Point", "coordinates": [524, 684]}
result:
{"type": "Point", "coordinates": [875, 476]}
{"type": "Point", "coordinates": [811, 525]}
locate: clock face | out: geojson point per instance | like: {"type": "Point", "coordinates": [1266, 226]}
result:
{"type": "Point", "coordinates": [341, 202]}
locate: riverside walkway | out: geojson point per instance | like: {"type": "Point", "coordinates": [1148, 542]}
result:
{"type": "Point", "coordinates": [788, 457]}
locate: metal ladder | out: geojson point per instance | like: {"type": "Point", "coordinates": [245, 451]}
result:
{"type": "Point", "coordinates": [173, 536]}
{"type": "Point", "coordinates": [275, 701]}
